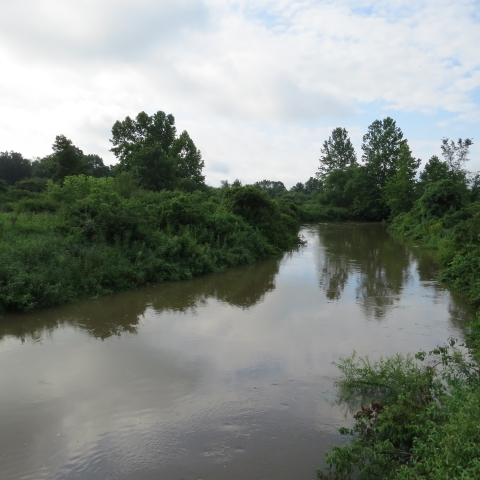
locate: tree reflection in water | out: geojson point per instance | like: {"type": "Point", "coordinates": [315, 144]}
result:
{"type": "Point", "coordinates": [241, 287]}
{"type": "Point", "coordinates": [378, 263]}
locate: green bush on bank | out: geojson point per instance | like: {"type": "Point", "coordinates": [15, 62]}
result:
{"type": "Point", "coordinates": [84, 239]}
{"type": "Point", "coordinates": [421, 418]}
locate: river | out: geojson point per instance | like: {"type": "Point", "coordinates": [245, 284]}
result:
{"type": "Point", "coordinates": [227, 376]}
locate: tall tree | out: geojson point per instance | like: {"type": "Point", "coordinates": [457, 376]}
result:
{"type": "Point", "coordinates": [13, 167]}
{"type": "Point", "coordinates": [456, 154]}
{"type": "Point", "coordinates": [130, 136]}
{"type": "Point", "coordinates": [312, 185]}
{"type": "Point", "coordinates": [400, 189]}
{"type": "Point", "coordinates": [187, 159]}
{"type": "Point", "coordinates": [381, 151]}
{"type": "Point", "coordinates": [337, 153]}
{"type": "Point", "coordinates": [66, 159]}
{"type": "Point", "coordinates": [148, 147]}
{"type": "Point", "coordinates": [434, 171]}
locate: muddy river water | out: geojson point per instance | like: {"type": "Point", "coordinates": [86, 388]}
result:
{"type": "Point", "coordinates": [227, 376]}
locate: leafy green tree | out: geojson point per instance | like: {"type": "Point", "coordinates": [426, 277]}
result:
{"type": "Point", "coordinates": [130, 136]}
{"type": "Point", "coordinates": [456, 155]}
{"type": "Point", "coordinates": [400, 189]}
{"type": "Point", "coordinates": [337, 153]}
{"type": "Point", "coordinates": [148, 148]}
{"type": "Point", "coordinates": [42, 167]}
{"type": "Point", "coordinates": [187, 159]}
{"type": "Point", "coordinates": [441, 197]}
{"type": "Point", "coordinates": [96, 166]}
{"type": "Point", "coordinates": [474, 186]}
{"type": "Point", "coordinates": [312, 185]}
{"type": "Point", "coordinates": [336, 191]}
{"type": "Point", "coordinates": [337, 164]}
{"type": "Point", "coordinates": [299, 187]}
{"type": "Point", "coordinates": [66, 159]}
{"type": "Point", "coordinates": [153, 169]}
{"type": "Point", "coordinates": [13, 167]}
{"type": "Point", "coordinates": [434, 171]}
{"type": "Point", "coordinates": [381, 151]}
{"type": "Point", "coordinates": [271, 187]}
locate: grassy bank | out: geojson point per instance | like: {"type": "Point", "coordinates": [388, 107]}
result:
{"type": "Point", "coordinates": [90, 236]}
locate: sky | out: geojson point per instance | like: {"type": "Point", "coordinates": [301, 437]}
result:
{"type": "Point", "coordinates": [258, 84]}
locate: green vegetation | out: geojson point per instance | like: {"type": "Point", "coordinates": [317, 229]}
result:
{"type": "Point", "coordinates": [418, 416]}
{"type": "Point", "coordinates": [84, 230]}
{"type": "Point", "coordinates": [421, 421]}
{"type": "Point", "coordinates": [71, 227]}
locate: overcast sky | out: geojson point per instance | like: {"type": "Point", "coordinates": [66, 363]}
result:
{"type": "Point", "coordinates": [258, 84]}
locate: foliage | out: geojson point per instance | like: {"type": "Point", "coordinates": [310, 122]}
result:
{"type": "Point", "coordinates": [400, 189]}
{"type": "Point", "coordinates": [440, 198]}
{"type": "Point", "coordinates": [42, 167]}
{"type": "Point", "coordinates": [149, 149]}
{"type": "Point", "coordinates": [337, 153]}
{"type": "Point", "coordinates": [91, 236]}
{"type": "Point", "coordinates": [66, 159]}
{"type": "Point", "coordinates": [13, 167]}
{"type": "Point", "coordinates": [275, 221]}
{"type": "Point", "coordinates": [337, 187]}
{"type": "Point", "coordinates": [187, 159]}
{"type": "Point", "coordinates": [456, 155]}
{"type": "Point", "coordinates": [95, 166]}
{"type": "Point", "coordinates": [421, 418]}
{"type": "Point", "coordinates": [434, 171]}
{"type": "Point", "coordinates": [32, 184]}
{"type": "Point", "coordinates": [271, 188]}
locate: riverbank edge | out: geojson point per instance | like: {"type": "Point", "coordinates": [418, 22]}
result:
{"type": "Point", "coordinates": [463, 404]}
{"type": "Point", "coordinates": [95, 242]}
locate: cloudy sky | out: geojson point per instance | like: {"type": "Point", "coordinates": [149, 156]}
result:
{"type": "Point", "coordinates": [258, 84]}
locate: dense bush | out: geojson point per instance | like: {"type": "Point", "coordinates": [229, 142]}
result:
{"type": "Point", "coordinates": [85, 237]}
{"type": "Point", "coordinates": [420, 420]}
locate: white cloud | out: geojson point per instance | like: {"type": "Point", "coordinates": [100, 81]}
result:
{"type": "Point", "coordinates": [255, 82]}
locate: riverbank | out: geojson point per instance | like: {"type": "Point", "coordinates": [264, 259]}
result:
{"type": "Point", "coordinates": [88, 238]}
{"type": "Point", "coordinates": [418, 416]}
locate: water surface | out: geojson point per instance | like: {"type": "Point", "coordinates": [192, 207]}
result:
{"type": "Point", "coordinates": [227, 376]}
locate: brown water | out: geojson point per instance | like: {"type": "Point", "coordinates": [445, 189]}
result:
{"type": "Point", "coordinates": [227, 376]}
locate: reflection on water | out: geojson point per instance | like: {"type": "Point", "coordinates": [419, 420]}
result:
{"type": "Point", "coordinates": [224, 376]}
{"type": "Point", "coordinates": [366, 252]}
{"type": "Point", "coordinates": [122, 313]}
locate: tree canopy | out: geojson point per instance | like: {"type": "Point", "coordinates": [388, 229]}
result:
{"type": "Point", "coordinates": [149, 148]}
{"type": "Point", "coordinates": [337, 153]}
{"type": "Point", "coordinates": [13, 167]}
{"type": "Point", "coordinates": [270, 187]}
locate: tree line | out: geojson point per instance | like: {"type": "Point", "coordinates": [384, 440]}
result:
{"type": "Point", "coordinates": [149, 152]}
